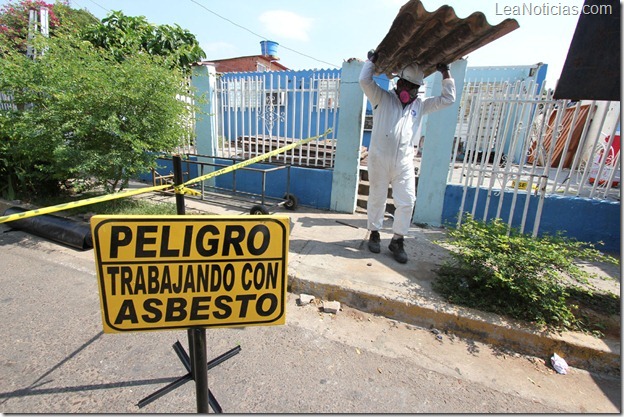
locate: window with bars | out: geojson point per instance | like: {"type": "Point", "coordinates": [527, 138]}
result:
{"type": "Point", "coordinates": [327, 98]}
{"type": "Point", "coordinates": [243, 93]}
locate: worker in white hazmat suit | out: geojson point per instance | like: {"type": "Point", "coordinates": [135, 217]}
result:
{"type": "Point", "coordinates": [396, 127]}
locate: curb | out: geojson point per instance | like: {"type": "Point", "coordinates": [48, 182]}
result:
{"type": "Point", "coordinates": [579, 350]}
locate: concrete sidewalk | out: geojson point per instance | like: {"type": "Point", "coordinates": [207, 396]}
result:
{"type": "Point", "coordinates": [329, 258]}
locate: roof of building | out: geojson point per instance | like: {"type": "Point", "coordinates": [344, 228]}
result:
{"type": "Point", "coordinates": [429, 38]}
{"type": "Point", "coordinates": [265, 59]}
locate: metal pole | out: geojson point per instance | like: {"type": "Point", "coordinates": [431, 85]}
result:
{"type": "Point", "coordinates": [178, 180]}
{"type": "Point", "coordinates": [200, 368]}
{"type": "Point", "coordinates": [196, 336]}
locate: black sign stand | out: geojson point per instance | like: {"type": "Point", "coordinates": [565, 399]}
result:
{"type": "Point", "coordinates": [185, 359]}
{"type": "Point", "coordinates": [195, 364]}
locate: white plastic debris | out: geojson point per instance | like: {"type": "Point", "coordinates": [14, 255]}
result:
{"type": "Point", "coordinates": [559, 364]}
{"type": "Point", "coordinates": [305, 299]}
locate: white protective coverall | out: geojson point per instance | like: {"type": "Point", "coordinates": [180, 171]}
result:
{"type": "Point", "coordinates": [391, 150]}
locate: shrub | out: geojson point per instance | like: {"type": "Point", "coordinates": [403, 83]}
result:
{"type": "Point", "coordinates": [80, 114]}
{"type": "Point", "coordinates": [498, 269]}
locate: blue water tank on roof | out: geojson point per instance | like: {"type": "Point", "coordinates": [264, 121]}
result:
{"type": "Point", "coordinates": [269, 48]}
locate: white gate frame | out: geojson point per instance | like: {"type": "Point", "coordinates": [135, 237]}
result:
{"type": "Point", "coordinates": [517, 117]}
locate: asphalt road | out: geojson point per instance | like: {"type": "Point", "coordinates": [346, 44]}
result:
{"type": "Point", "coordinates": [56, 359]}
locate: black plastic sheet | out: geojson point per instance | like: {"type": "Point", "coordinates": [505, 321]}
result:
{"type": "Point", "coordinates": [592, 68]}
{"type": "Point", "coordinates": [69, 232]}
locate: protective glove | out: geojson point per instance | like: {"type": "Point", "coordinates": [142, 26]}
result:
{"type": "Point", "coordinates": [372, 56]}
{"type": "Point", "coordinates": [442, 67]}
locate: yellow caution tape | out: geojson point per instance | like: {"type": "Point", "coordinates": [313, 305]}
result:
{"type": "Point", "coordinates": [80, 203]}
{"type": "Point", "coordinates": [181, 189]}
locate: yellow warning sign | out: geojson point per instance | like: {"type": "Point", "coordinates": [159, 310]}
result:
{"type": "Point", "coordinates": [173, 272]}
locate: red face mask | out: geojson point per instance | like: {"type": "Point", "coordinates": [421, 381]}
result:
{"type": "Point", "coordinates": [405, 96]}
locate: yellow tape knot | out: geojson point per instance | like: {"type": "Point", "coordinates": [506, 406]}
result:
{"type": "Point", "coordinates": [181, 189]}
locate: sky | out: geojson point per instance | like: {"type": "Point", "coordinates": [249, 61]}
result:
{"type": "Point", "coordinates": [324, 33]}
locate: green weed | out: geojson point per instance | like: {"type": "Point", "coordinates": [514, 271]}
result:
{"type": "Point", "coordinates": [497, 269]}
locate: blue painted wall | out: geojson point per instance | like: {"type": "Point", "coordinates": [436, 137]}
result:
{"type": "Point", "coordinates": [165, 167]}
{"type": "Point", "coordinates": [311, 187]}
{"type": "Point", "coordinates": [366, 137]}
{"type": "Point", "coordinates": [579, 218]}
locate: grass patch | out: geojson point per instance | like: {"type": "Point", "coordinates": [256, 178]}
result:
{"type": "Point", "coordinates": [132, 206]}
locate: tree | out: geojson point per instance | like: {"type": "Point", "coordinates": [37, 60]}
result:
{"type": "Point", "coordinates": [98, 105]}
{"type": "Point", "coordinates": [121, 35]}
{"type": "Point", "coordinates": [85, 115]}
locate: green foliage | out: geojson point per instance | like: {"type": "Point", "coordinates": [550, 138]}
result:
{"type": "Point", "coordinates": [72, 21]}
{"type": "Point", "coordinates": [501, 270]}
{"type": "Point", "coordinates": [14, 21]}
{"type": "Point", "coordinates": [78, 113]}
{"type": "Point", "coordinates": [122, 35]}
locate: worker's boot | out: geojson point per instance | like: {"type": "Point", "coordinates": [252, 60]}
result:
{"type": "Point", "coordinates": [374, 242]}
{"type": "Point", "coordinates": [396, 247]}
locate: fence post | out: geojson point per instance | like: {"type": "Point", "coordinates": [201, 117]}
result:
{"type": "Point", "coordinates": [348, 139]}
{"type": "Point", "coordinates": [204, 80]}
{"type": "Point", "coordinates": [437, 151]}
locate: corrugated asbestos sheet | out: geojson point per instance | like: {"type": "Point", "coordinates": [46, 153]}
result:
{"type": "Point", "coordinates": [429, 38]}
